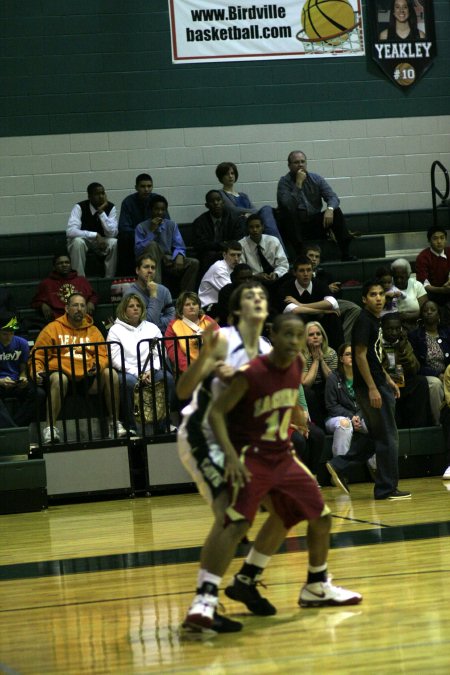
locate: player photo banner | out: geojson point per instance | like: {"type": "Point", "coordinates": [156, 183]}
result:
{"type": "Point", "coordinates": [221, 30]}
{"type": "Point", "coordinates": [403, 38]}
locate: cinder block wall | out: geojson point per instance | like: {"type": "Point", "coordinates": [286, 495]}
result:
{"type": "Point", "coordinates": [94, 96]}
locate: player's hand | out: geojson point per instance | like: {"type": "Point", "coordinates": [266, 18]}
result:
{"type": "Point", "coordinates": [22, 382]}
{"type": "Point", "coordinates": [225, 372]}
{"type": "Point", "coordinates": [7, 383]}
{"type": "Point", "coordinates": [210, 342]}
{"type": "Point", "coordinates": [236, 472]}
{"type": "Point", "coordinates": [375, 397]}
{"type": "Point", "coordinates": [303, 429]}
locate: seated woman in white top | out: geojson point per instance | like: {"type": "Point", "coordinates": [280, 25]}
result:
{"type": "Point", "coordinates": [129, 329]}
{"type": "Point", "coordinates": [413, 296]}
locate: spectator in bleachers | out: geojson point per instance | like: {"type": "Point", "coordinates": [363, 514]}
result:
{"type": "Point", "coordinates": [238, 204]}
{"type": "Point", "coordinates": [212, 228]}
{"type": "Point", "coordinates": [391, 292]}
{"type": "Point", "coordinates": [93, 227]}
{"type": "Point", "coordinates": [129, 328]}
{"type": "Point", "coordinates": [134, 210]}
{"type": "Point", "coordinates": [300, 194]}
{"type": "Point", "coordinates": [349, 310]}
{"type": "Point", "coordinates": [156, 297]}
{"type": "Point", "coordinates": [431, 345]}
{"type": "Point", "coordinates": [218, 275]}
{"type": "Point", "coordinates": [52, 293]}
{"type": "Point", "coordinates": [14, 384]}
{"type": "Point", "coordinates": [314, 253]}
{"type": "Point", "coordinates": [57, 368]}
{"type": "Point", "coordinates": [344, 416]}
{"type": "Point", "coordinates": [320, 361]}
{"type": "Point", "coordinates": [263, 252]}
{"type": "Point", "coordinates": [412, 408]}
{"type": "Point", "coordinates": [414, 292]}
{"type": "Point", "coordinates": [240, 275]}
{"type": "Point", "coordinates": [376, 393]}
{"type": "Point", "coordinates": [306, 296]}
{"type": "Point", "coordinates": [160, 238]}
{"type": "Point", "coordinates": [190, 320]}
{"type": "Point", "coordinates": [265, 255]}
{"type": "Point", "coordinates": [433, 269]}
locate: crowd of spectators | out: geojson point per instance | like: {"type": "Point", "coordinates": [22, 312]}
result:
{"type": "Point", "coordinates": [179, 291]}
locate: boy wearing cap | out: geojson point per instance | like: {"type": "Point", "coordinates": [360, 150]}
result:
{"type": "Point", "coordinates": [14, 352]}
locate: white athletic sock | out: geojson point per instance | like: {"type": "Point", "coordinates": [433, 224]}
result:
{"type": "Point", "coordinates": [319, 568]}
{"type": "Point", "coordinates": [212, 579]}
{"type": "Point", "coordinates": [258, 559]}
{"type": "Point", "coordinates": [200, 577]}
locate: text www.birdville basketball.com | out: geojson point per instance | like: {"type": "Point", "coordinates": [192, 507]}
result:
{"type": "Point", "coordinates": [234, 32]}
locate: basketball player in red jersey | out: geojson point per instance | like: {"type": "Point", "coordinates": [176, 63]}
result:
{"type": "Point", "coordinates": [258, 460]}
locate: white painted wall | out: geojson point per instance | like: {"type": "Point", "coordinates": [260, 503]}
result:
{"type": "Point", "coordinates": [373, 165]}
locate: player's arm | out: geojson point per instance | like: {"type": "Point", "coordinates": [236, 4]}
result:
{"type": "Point", "coordinates": [299, 420]}
{"type": "Point", "coordinates": [202, 367]}
{"type": "Point", "coordinates": [363, 367]}
{"type": "Point", "coordinates": [235, 471]}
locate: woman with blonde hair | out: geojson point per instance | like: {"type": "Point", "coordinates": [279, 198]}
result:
{"type": "Point", "coordinates": [190, 321]}
{"type": "Point", "coordinates": [320, 361]}
{"type": "Point", "coordinates": [129, 328]}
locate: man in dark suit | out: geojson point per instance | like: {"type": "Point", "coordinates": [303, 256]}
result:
{"type": "Point", "coordinates": [212, 228]}
{"type": "Point", "coordinates": [312, 300]}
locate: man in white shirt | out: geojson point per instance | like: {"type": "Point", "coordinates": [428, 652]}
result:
{"type": "Point", "coordinates": [93, 226]}
{"type": "Point", "coordinates": [263, 252]}
{"type": "Point", "coordinates": [218, 275]}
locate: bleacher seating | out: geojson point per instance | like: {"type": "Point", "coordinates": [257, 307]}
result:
{"type": "Point", "coordinates": [26, 259]}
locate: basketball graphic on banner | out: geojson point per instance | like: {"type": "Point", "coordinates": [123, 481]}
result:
{"type": "Point", "coordinates": [325, 19]}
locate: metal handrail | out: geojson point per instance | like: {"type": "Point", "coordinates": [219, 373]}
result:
{"type": "Point", "coordinates": [435, 190]}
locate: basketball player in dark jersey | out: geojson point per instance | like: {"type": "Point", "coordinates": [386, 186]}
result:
{"type": "Point", "coordinates": [259, 459]}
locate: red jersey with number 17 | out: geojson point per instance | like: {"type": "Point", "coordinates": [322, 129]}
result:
{"type": "Point", "coordinates": [261, 418]}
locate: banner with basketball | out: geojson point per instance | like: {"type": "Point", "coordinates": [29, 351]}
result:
{"type": "Point", "coordinates": [403, 38]}
{"type": "Point", "coordinates": [219, 30]}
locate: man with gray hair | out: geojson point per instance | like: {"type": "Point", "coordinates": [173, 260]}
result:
{"type": "Point", "coordinates": [414, 294]}
{"type": "Point", "coordinates": [300, 195]}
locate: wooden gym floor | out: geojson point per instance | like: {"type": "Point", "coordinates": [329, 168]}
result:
{"type": "Point", "coordinates": [103, 587]}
